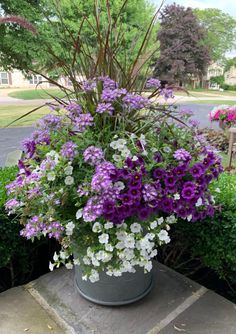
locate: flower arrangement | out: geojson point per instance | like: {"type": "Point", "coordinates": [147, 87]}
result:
{"type": "Point", "coordinates": [107, 175]}
{"type": "Point", "coordinates": [225, 114]}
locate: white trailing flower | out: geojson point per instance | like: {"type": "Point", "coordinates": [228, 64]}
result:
{"type": "Point", "coordinates": [68, 170]}
{"type": "Point", "coordinates": [121, 235]}
{"type": "Point", "coordinates": [51, 266]}
{"type": "Point", "coordinates": [153, 224]}
{"type": "Point", "coordinates": [69, 180]}
{"type": "Point", "coordinates": [69, 228]}
{"type": "Point", "coordinates": [135, 228]}
{"type": "Point", "coordinates": [171, 219]}
{"type": "Point", "coordinates": [163, 236]}
{"type": "Point", "coordinates": [86, 260]}
{"type": "Point", "coordinates": [129, 241]}
{"type": "Point", "coordinates": [76, 262]}
{"type": "Point", "coordinates": [119, 185]}
{"type": "Point", "coordinates": [117, 157]}
{"type": "Point", "coordinates": [108, 225]}
{"type": "Point", "coordinates": [176, 196]}
{"type": "Point", "coordinates": [94, 276]}
{"type": "Point", "coordinates": [217, 190]}
{"type": "Point", "coordinates": [104, 256]}
{"type": "Point", "coordinates": [79, 213]}
{"type": "Point", "coordinates": [51, 176]}
{"type": "Point", "coordinates": [103, 238]}
{"type": "Point", "coordinates": [69, 265]}
{"type": "Point", "coordinates": [109, 248]}
{"type": "Point", "coordinates": [55, 257]}
{"type": "Point", "coordinates": [120, 245]}
{"type": "Point", "coordinates": [160, 221]}
{"type": "Point", "coordinates": [97, 227]}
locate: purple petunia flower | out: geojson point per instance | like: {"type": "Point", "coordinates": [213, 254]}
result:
{"type": "Point", "coordinates": [197, 170]}
{"type": "Point", "coordinates": [158, 173]}
{"type": "Point", "coordinates": [157, 157]}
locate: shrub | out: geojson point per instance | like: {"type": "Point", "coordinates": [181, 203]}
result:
{"type": "Point", "coordinates": [212, 241]}
{"type": "Point", "coordinates": [228, 87]}
{"type": "Point", "coordinates": [20, 260]}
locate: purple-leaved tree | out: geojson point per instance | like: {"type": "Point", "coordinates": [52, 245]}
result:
{"type": "Point", "coordinates": [183, 54]}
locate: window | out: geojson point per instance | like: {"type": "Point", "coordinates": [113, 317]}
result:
{"type": "Point", "coordinates": [35, 79]}
{"type": "Point", "coordinates": [4, 78]}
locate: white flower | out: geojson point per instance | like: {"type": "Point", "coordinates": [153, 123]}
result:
{"type": "Point", "coordinates": [167, 149]}
{"type": "Point", "coordinates": [116, 157]}
{"type": "Point", "coordinates": [129, 241]}
{"type": "Point", "coordinates": [108, 225]}
{"type": "Point", "coordinates": [153, 253]}
{"type": "Point", "coordinates": [120, 245]}
{"type": "Point", "coordinates": [142, 140]}
{"type": "Point", "coordinates": [114, 145]}
{"type": "Point", "coordinates": [153, 224]}
{"type": "Point", "coordinates": [69, 228]}
{"type": "Point", "coordinates": [85, 277]}
{"type": "Point", "coordinates": [133, 136]}
{"type": "Point", "coordinates": [68, 170]}
{"type": "Point", "coordinates": [135, 228]}
{"type": "Point", "coordinates": [217, 190]}
{"type": "Point", "coordinates": [97, 227]}
{"type": "Point", "coordinates": [189, 218]}
{"type": "Point", "coordinates": [121, 235]}
{"type": "Point", "coordinates": [69, 265]}
{"type": "Point", "coordinates": [199, 202]}
{"type": "Point", "coordinates": [86, 260]}
{"type": "Point", "coordinates": [150, 236]}
{"type": "Point", "coordinates": [69, 180]}
{"type": "Point", "coordinates": [171, 219]}
{"type": "Point", "coordinates": [213, 199]}
{"type": "Point", "coordinates": [176, 196]}
{"type": "Point", "coordinates": [79, 213]}
{"type": "Point", "coordinates": [163, 236]}
{"type": "Point", "coordinates": [160, 221]}
{"type": "Point", "coordinates": [109, 247]}
{"type": "Point", "coordinates": [103, 238]}
{"type": "Point", "coordinates": [55, 257]}
{"type": "Point", "coordinates": [125, 152]}
{"type": "Point", "coordinates": [94, 276]}
{"type": "Point", "coordinates": [148, 266]}
{"type": "Point", "coordinates": [95, 262]}
{"type": "Point", "coordinates": [119, 185]}
{"type": "Point", "coordinates": [51, 176]}
{"type": "Point", "coordinates": [63, 255]}
{"type": "Point", "coordinates": [76, 262]}
{"type": "Point", "coordinates": [128, 253]}
{"type": "Point", "coordinates": [117, 273]}
{"type": "Point", "coordinates": [104, 256]}
{"type": "Point", "coordinates": [134, 158]}
{"type": "Point", "coordinates": [51, 266]}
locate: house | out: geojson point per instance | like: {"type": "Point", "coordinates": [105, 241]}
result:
{"type": "Point", "coordinates": [16, 79]}
{"type": "Point", "coordinates": [230, 76]}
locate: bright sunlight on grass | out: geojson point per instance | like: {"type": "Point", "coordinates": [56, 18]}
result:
{"type": "Point", "coordinates": [39, 93]}
{"type": "Point", "coordinates": [11, 113]}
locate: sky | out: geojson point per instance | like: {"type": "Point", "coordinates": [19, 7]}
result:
{"type": "Point", "coordinates": [227, 6]}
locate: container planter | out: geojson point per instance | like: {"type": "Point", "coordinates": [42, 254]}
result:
{"type": "Point", "coordinates": [115, 291]}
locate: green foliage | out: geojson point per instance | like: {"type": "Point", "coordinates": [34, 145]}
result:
{"type": "Point", "coordinates": [77, 38]}
{"type": "Point", "coordinates": [228, 87]}
{"type": "Point", "coordinates": [218, 80]}
{"type": "Point", "coordinates": [221, 31]}
{"type": "Point", "coordinates": [229, 63]}
{"type": "Point", "coordinates": [20, 260]}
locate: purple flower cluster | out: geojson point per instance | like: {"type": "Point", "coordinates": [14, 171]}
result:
{"type": "Point", "coordinates": [68, 150]}
{"type": "Point", "coordinates": [82, 121]}
{"type": "Point", "coordinates": [105, 107]}
{"type": "Point", "coordinates": [182, 155]}
{"type": "Point", "coordinates": [167, 93]}
{"type": "Point", "coordinates": [108, 83]}
{"type": "Point", "coordinates": [133, 101]}
{"type": "Point", "coordinates": [110, 95]}
{"type": "Point", "coordinates": [50, 122]}
{"type": "Point", "coordinates": [39, 137]}
{"type": "Point", "coordinates": [35, 227]}
{"type": "Point", "coordinates": [181, 189]}
{"type": "Point", "coordinates": [74, 109]}
{"type": "Point", "coordinates": [93, 155]}
{"type": "Point", "coordinates": [153, 83]}
{"type": "Point", "coordinates": [89, 85]}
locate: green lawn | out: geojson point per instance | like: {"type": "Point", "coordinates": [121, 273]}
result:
{"type": "Point", "coordinates": [11, 113]}
{"type": "Point", "coordinates": [39, 93]}
{"type": "Point", "coordinates": [213, 92]}
{"type": "Point", "coordinates": [216, 102]}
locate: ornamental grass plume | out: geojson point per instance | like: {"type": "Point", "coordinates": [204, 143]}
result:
{"type": "Point", "coordinates": [21, 21]}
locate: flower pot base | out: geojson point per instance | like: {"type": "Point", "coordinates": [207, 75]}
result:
{"type": "Point", "coordinates": [115, 291]}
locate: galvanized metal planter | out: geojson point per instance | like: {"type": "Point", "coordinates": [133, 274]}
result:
{"type": "Point", "coordinates": [126, 289]}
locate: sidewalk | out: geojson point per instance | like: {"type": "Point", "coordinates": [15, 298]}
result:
{"type": "Point", "coordinates": [176, 304]}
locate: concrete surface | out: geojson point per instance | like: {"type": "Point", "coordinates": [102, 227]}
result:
{"type": "Point", "coordinates": [20, 313]}
{"type": "Point", "coordinates": [176, 304]}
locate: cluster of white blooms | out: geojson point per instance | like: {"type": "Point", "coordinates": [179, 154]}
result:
{"type": "Point", "coordinates": [120, 145]}
{"type": "Point", "coordinates": [122, 248]}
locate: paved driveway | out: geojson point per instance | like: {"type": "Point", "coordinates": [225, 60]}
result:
{"type": "Point", "coordinates": [11, 138]}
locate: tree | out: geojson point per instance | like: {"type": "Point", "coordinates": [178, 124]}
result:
{"type": "Point", "coordinates": [221, 31]}
{"type": "Point", "coordinates": [230, 63]}
{"type": "Point", "coordinates": [58, 24]}
{"type": "Point", "coordinates": [182, 53]}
